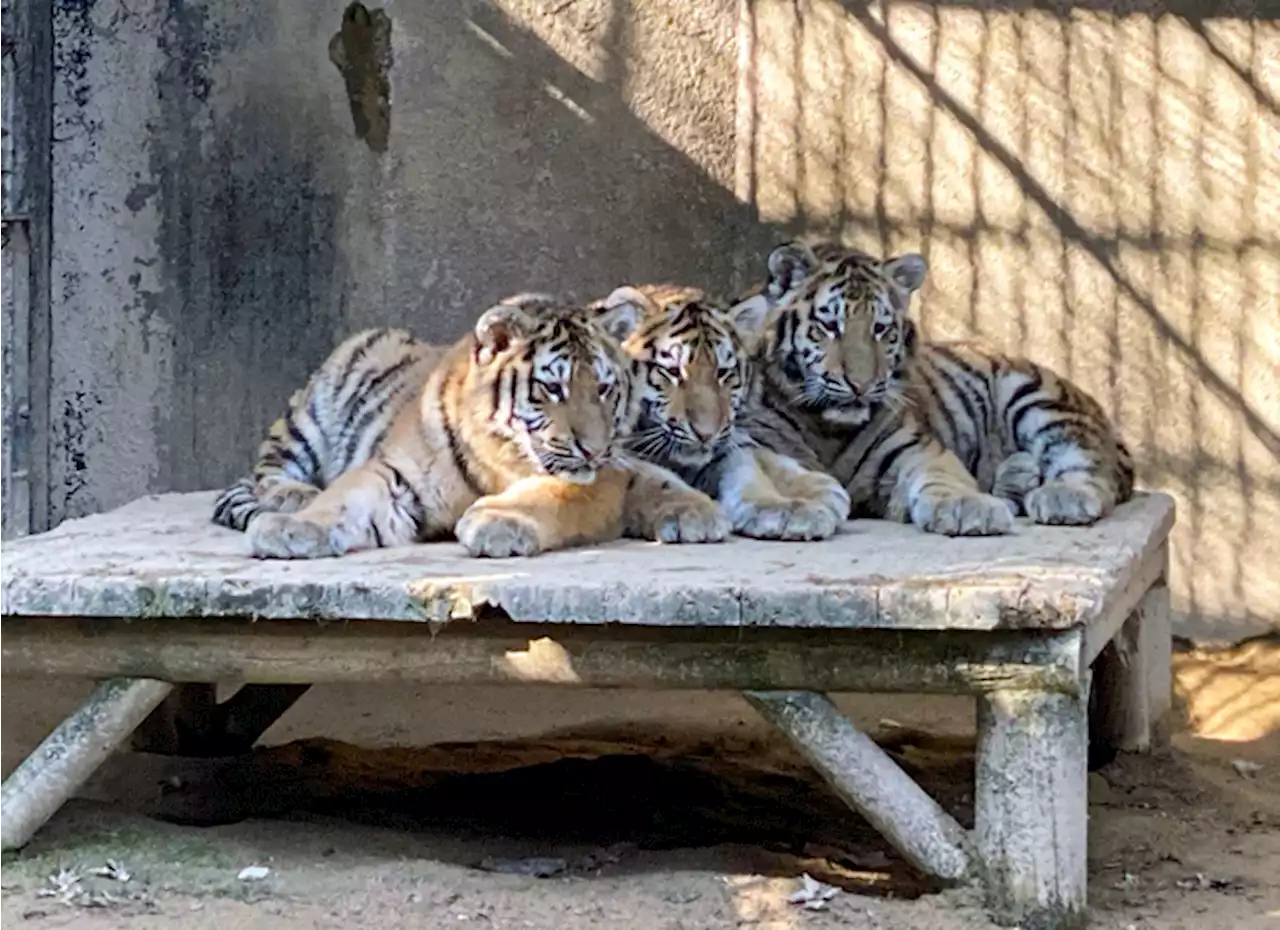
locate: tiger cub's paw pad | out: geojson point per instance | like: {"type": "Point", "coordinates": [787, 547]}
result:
{"type": "Point", "coordinates": [691, 518]}
{"type": "Point", "coordinates": [964, 515]}
{"type": "Point", "coordinates": [285, 536]}
{"type": "Point", "coordinates": [1064, 505]}
{"type": "Point", "coordinates": [493, 535]}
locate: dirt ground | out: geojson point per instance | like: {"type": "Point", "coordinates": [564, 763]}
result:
{"type": "Point", "coordinates": [661, 812]}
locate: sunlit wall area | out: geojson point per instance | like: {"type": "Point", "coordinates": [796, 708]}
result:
{"type": "Point", "coordinates": [1099, 190]}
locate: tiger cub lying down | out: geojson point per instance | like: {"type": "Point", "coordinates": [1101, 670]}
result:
{"type": "Point", "coordinates": [695, 377]}
{"type": "Point", "coordinates": [510, 440]}
{"type": "Point", "coordinates": [948, 435]}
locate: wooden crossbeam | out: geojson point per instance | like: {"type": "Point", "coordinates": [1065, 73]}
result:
{"type": "Point", "coordinates": [288, 652]}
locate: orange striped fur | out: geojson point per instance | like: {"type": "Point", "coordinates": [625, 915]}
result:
{"type": "Point", "coordinates": [695, 376]}
{"type": "Point", "coordinates": [951, 436]}
{"type": "Point", "coordinates": [511, 440]}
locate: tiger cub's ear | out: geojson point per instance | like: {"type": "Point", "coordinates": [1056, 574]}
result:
{"type": "Point", "coordinates": [621, 312]}
{"type": "Point", "coordinates": [508, 321]}
{"type": "Point", "coordinates": [908, 270]}
{"type": "Point", "coordinates": [789, 264]}
{"type": "Point", "coordinates": [748, 318]}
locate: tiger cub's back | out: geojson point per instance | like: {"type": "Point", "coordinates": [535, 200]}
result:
{"type": "Point", "coordinates": [992, 410]}
{"type": "Point", "coordinates": [333, 424]}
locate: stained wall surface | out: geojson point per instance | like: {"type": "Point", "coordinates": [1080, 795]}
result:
{"type": "Point", "coordinates": [238, 185]}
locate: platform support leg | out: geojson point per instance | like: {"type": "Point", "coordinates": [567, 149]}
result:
{"type": "Point", "coordinates": [868, 780]}
{"type": "Point", "coordinates": [181, 722]}
{"type": "Point", "coordinates": [1133, 681]}
{"type": "Point", "coordinates": [37, 788]}
{"type": "Point", "coordinates": [191, 722]}
{"type": "Point", "coordinates": [251, 711]}
{"type": "Point", "coordinates": [1031, 808]}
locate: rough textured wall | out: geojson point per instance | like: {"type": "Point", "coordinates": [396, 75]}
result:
{"type": "Point", "coordinates": [238, 185]}
{"type": "Point", "coordinates": [1097, 188]}
{"type": "Point", "coordinates": [241, 185]}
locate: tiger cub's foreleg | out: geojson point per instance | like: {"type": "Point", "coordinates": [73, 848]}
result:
{"type": "Point", "coordinates": [544, 513]}
{"type": "Point", "coordinates": [660, 506]}
{"type": "Point", "coordinates": [932, 489]}
{"type": "Point", "coordinates": [1083, 471]}
{"type": "Point", "coordinates": [771, 496]}
{"type": "Point", "coordinates": [369, 507]}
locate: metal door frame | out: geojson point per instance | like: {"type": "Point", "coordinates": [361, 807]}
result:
{"type": "Point", "coordinates": [27, 227]}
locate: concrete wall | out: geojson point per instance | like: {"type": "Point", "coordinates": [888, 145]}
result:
{"type": "Point", "coordinates": [219, 223]}
{"type": "Point", "coordinates": [237, 185]}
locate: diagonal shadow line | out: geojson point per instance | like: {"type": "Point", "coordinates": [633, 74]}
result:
{"type": "Point", "coordinates": [1070, 229]}
{"type": "Point", "coordinates": [1260, 95]}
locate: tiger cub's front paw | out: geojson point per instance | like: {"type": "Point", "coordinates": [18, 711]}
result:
{"type": "Point", "coordinates": [810, 507]}
{"type": "Point", "coordinates": [494, 533]}
{"type": "Point", "coordinates": [1060, 504]}
{"type": "Point", "coordinates": [288, 536]}
{"type": "Point", "coordinates": [688, 517]}
{"type": "Point", "coordinates": [288, 496]}
{"type": "Point", "coordinates": [1016, 477]}
{"type": "Point", "coordinates": [786, 519]}
{"type": "Point", "coordinates": [963, 514]}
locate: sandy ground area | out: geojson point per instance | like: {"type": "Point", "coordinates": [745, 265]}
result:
{"type": "Point", "coordinates": [713, 829]}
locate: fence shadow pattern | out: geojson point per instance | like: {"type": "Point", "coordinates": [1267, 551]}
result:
{"type": "Point", "coordinates": [1096, 188]}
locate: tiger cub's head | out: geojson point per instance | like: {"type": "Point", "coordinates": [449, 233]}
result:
{"type": "Point", "coordinates": [834, 335]}
{"type": "Point", "coordinates": [693, 371]}
{"type": "Point", "coordinates": [552, 379]}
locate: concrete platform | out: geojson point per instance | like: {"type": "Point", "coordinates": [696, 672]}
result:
{"type": "Point", "coordinates": [1061, 635]}
{"type": "Point", "coordinates": [161, 557]}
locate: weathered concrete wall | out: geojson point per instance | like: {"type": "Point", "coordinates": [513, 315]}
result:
{"type": "Point", "coordinates": [1100, 189]}
{"type": "Point", "coordinates": [219, 223]}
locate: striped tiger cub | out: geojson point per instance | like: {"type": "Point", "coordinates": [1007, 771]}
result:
{"type": "Point", "coordinates": [948, 435]}
{"type": "Point", "coordinates": [510, 440]}
{"type": "Point", "coordinates": [695, 376]}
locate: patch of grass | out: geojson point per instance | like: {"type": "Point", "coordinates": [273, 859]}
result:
{"type": "Point", "coordinates": [158, 855]}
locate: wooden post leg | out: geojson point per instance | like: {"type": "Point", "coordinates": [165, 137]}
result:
{"type": "Point", "coordinates": [1133, 680]}
{"type": "Point", "coordinates": [44, 781]}
{"type": "Point", "coordinates": [1031, 807]}
{"type": "Point", "coordinates": [864, 776]}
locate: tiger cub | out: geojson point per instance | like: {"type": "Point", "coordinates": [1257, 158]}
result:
{"type": "Point", "coordinates": [695, 376]}
{"type": "Point", "coordinates": [509, 440]}
{"type": "Point", "coordinates": [951, 436]}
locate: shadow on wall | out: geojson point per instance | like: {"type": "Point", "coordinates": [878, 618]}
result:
{"type": "Point", "coordinates": [1097, 186]}
{"type": "Point", "coordinates": [506, 169]}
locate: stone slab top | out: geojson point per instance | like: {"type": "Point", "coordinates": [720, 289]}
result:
{"type": "Point", "coordinates": [161, 557]}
